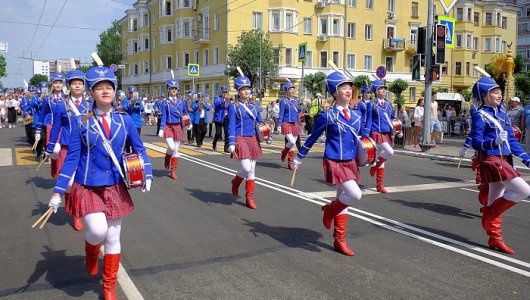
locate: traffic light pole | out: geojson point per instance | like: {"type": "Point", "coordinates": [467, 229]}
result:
{"type": "Point", "coordinates": [426, 144]}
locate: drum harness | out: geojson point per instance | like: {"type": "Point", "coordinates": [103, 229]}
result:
{"type": "Point", "coordinates": [498, 125]}
{"type": "Point", "coordinates": [255, 120]}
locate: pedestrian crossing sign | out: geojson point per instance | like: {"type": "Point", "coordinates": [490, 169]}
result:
{"type": "Point", "coordinates": [302, 52]}
{"type": "Point", "coordinates": [194, 70]}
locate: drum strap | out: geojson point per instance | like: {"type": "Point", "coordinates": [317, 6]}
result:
{"type": "Point", "coordinates": [495, 122]}
{"type": "Point", "coordinates": [74, 108]}
{"type": "Point", "coordinates": [341, 123]}
{"type": "Point", "coordinates": [108, 148]}
{"type": "Point", "coordinates": [250, 113]}
{"type": "Point", "coordinates": [386, 116]}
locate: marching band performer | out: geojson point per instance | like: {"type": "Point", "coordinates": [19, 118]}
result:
{"type": "Point", "coordinates": [27, 113]}
{"type": "Point", "coordinates": [221, 117]}
{"type": "Point", "coordinates": [243, 143]}
{"type": "Point", "coordinates": [382, 114]}
{"type": "Point", "coordinates": [99, 193]}
{"type": "Point", "coordinates": [362, 106]}
{"type": "Point", "coordinates": [289, 122]}
{"type": "Point", "coordinates": [171, 125]}
{"type": "Point", "coordinates": [134, 106]}
{"type": "Point", "coordinates": [491, 134]}
{"type": "Point", "coordinates": [36, 106]}
{"type": "Point", "coordinates": [66, 116]}
{"type": "Point", "coordinates": [343, 126]}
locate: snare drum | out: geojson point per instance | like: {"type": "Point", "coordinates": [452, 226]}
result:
{"type": "Point", "coordinates": [396, 124]}
{"type": "Point", "coordinates": [517, 133]}
{"type": "Point", "coordinates": [263, 132]}
{"type": "Point", "coordinates": [185, 120]}
{"type": "Point", "coordinates": [301, 118]}
{"type": "Point", "coordinates": [366, 151]}
{"type": "Point", "coordinates": [133, 164]}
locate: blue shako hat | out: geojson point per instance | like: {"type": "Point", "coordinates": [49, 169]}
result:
{"type": "Point", "coordinates": [240, 82]}
{"type": "Point", "coordinates": [98, 74]}
{"type": "Point", "coordinates": [224, 88]}
{"type": "Point", "coordinates": [57, 77]}
{"type": "Point", "coordinates": [288, 85]}
{"type": "Point", "coordinates": [335, 79]}
{"type": "Point", "coordinates": [365, 89]}
{"type": "Point", "coordinates": [74, 74]}
{"type": "Point", "coordinates": [172, 83]}
{"type": "Point", "coordinates": [132, 89]}
{"type": "Point", "coordinates": [32, 88]}
{"type": "Point", "coordinates": [377, 84]}
{"type": "Point", "coordinates": [482, 87]}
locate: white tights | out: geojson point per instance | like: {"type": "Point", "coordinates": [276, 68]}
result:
{"type": "Point", "coordinates": [99, 229]}
{"type": "Point", "coordinates": [348, 193]}
{"type": "Point", "coordinates": [172, 147]}
{"type": "Point", "coordinates": [247, 168]}
{"type": "Point", "coordinates": [385, 151]}
{"type": "Point", "coordinates": [515, 190]}
{"type": "Point", "coordinates": [291, 141]}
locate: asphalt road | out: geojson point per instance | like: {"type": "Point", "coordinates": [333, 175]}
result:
{"type": "Point", "coordinates": [189, 239]}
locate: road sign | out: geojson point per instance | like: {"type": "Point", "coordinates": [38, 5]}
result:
{"type": "Point", "coordinates": [447, 5]}
{"type": "Point", "coordinates": [114, 67]}
{"type": "Point", "coordinates": [194, 70]}
{"type": "Point", "coordinates": [302, 52]}
{"type": "Point", "coordinates": [450, 30]}
{"type": "Point", "coordinates": [380, 72]}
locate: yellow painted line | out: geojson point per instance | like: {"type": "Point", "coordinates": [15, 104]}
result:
{"type": "Point", "coordinates": [181, 149]}
{"type": "Point", "coordinates": [24, 156]}
{"type": "Point", "coordinates": [152, 153]}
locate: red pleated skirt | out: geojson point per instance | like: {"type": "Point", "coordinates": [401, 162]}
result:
{"type": "Point", "coordinates": [291, 128]}
{"type": "Point", "coordinates": [247, 147]}
{"type": "Point", "coordinates": [382, 137]}
{"type": "Point", "coordinates": [173, 131]}
{"type": "Point", "coordinates": [57, 165]}
{"type": "Point", "coordinates": [114, 201]}
{"type": "Point", "coordinates": [491, 172]}
{"type": "Point", "coordinates": [340, 171]}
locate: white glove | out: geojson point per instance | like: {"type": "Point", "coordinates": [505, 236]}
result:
{"type": "Point", "coordinates": [147, 186]}
{"type": "Point", "coordinates": [279, 128]}
{"type": "Point", "coordinates": [463, 152]}
{"type": "Point", "coordinates": [161, 133]}
{"type": "Point", "coordinates": [400, 135]}
{"type": "Point", "coordinates": [269, 141]}
{"type": "Point", "coordinates": [189, 127]}
{"type": "Point", "coordinates": [501, 137]}
{"type": "Point", "coordinates": [232, 148]}
{"type": "Point", "coordinates": [55, 202]}
{"type": "Point", "coordinates": [297, 162]}
{"type": "Point", "coordinates": [56, 149]}
{"type": "Point", "coordinates": [37, 136]}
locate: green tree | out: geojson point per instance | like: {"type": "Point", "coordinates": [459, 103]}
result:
{"type": "Point", "coordinates": [397, 87]}
{"type": "Point", "coordinates": [315, 83]}
{"type": "Point", "coordinates": [84, 68]}
{"type": "Point", "coordinates": [466, 94]}
{"type": "Point", "coordinates": [37, 78]}
{"type": "Point", "coordinates": [245, 54]}
{"type": "Point", "coordinates": [361, 81]}
{"type": "Point", "coordinates": [522, 84]}
{"type": "Point", "coordinates": [109, 47]}
{"type": "Point", "coordinates": [3, 66]}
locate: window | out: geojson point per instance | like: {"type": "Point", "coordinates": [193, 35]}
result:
{"type": "Point", "coordinates": [469, 15]}
{"type": "Point", "coordinates": [186, 3]}
{"type": "Point", "coordinates": [487, 44]}
{"type": "Point", "coordinates": [146, 43]}
{"type": "Point", "coordinates": [275, 21]}
{"type": "Point", "coordinates": [289, 22]}
{"type": "Point", "coordinates": [503, 47]}
{"type": "Point", "coordinates": [351, 30]}
{"type": "Point", "coordinates": [368, 62]}
{"type": "Point", "coordinates": [135, 47]}
{"type": "Point", "coordinates": [389, 64]}
{"type": "Point", "coordinates": [459, 14]}
{"type": "Point", "coordinates": [369, 4]}
{"type": "Point", "coordinates": [133, 24]}
{"type": "Point", "coordinates": [413, 35]}
{"type": "Point", "coordinates": [336, 58]}
{"type": "Point", "coordinates": [146, 67]}
{"type": "Point", "coordinates": [215, 55]}
{"type": "Point", "coordinates": [167, 11]}
{"type": "Point", "coordinates": [497, 44]}
{"type": "Point", "coordinates": [351, 61]}
{"type": "Point", "coordinates": [257, 20]}
{"type": "Point", "coordinates": [206, 57]}
{"type": "Point", "coordinates": [392, 5]}
{"type": "Point", "coordinates": [216, 21]}
{"type": "Point", "coordinates": [488, 19]}
{"type": "Point", "coordinates": [288, 57]}
{"type": "Point", "coordinates": [177, 56]}
{"type": "Point", "coordinates": [337, 26]}
{"type": "Point", "coordinates": [469, 40]}
{"type": "Point", "coordinates": [169, 38]}
{"type": "Point", "coordinates": [415, 9]}
{"type": "Point", "coordinates": [196, 56]}
{"type": "Point", "coordinates": [186, 29]}
{"type": "Point", "coordinates": [323, 25]}
{"type": "Point", "coordinates": [169, 62]}
{"type": "Point", "coordinates": [308, 25]}
{"type": "Point", "coordinates": [468, 68]}
{"type": "Point", "coordinates": [368, 32]}
{"type": "Point", "coordinates": [352, 3]}
{"type": "Point", "coordinates": [475, 73]}
{"type": "Point", "coordinates": [323, 59]}
{"type": "Point", "coordinates": [186, 59]}
{"type": "Point", "coordinates": [459, 40]}
{"type": "Point", "coordinates": [498, 19]}
{"type": "Point", "coordinates": [412, 94]}
{"type": "Point", "coordinates": [146, 20]}
{"type": "Point", "coordinates": [504, 23]}
{"type": "Point", "coordinates": [135, 69]}
{"type": "Point", "coordinates": [475, 43]}
{"type": "Point", "coordinates": [276, 55]}
{"type": "Point", "coordinates": [476, 19]}
{"type": "Point", "coordinates": [458, 68]}
{"type": "Point", "coordinates": [309, 59]}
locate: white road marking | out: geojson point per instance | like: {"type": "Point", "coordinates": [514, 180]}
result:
{"type": "Point", "coordinates": [127, 285]}
{"type": "Point", "coordinates": [477, 192]}
{"type": "Point", "coordinates": [396, 226]}
{"type": "Point", "coordinates": [6, 157]}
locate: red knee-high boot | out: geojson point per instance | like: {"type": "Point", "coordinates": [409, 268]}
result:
{"type": "Point", "coordinates": [492, 223]}
{"type": "Point", "coordinates": [174, 165]}
{"type": "Point", "coordinates": [167, 161]}
{"type": "Point", "coordinates": [374, 169]}
{"type": "Point", "coordinates": [110, 275]}
{"type": "Point", "coordinates": [236, 182]}
{"type": "Point", "coordinates": [249, 196]}
{"type": "Point", "coordinates": [92, 256]}
{"type": "Point", "coordinates": [284, 153]}
{"type": "Point", "coordinates": [339, 233]}
{"type": "Point", "coordinates": [331, 211]}
{"type": "Point", "coordinates": [290, 163]}
{"type": "Point", "coordinates": [483, 191]}
{"type": "Point", "coordinates": [380, 179]}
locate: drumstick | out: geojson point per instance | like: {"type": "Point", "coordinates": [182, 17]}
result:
{"type": "Point", "coordinates": [47, 217]}
{"type": "Point", "coordinates": [293, 177]}
{"type": "Point", "coordinates": [42, 163]}
{"type": "Point", "coordinates": [333, 65]}
{"type": "Point", "coordinates": [34, 146]}
{"type": "Point", "coordinates": [240, 71]}
{"type": "Point", "coordinates": [42, 217]}
{"type": "Point", "coordinates": [459, 162]}
{"type": "Point", "coordinates": [96, 58]}
{"type": "Point", "coordinates": [482, 71]}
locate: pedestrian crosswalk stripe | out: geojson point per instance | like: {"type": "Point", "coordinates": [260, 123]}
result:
{"type": "Point", "coordinates": [24, 156]}
{"type": "Point", "coordinates": [152, 153]}
{"type": "Point", "coordinates": [181, 149]}
{"type": "Point", "coordinates": [6, 157]}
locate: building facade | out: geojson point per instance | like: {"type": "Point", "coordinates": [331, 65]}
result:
{"type": "Point", "coordinates": [356, 35]}
{"type": "Point", "coordinates": [523, 32]}
{"type": "Point", "coordinates": [41, 67]}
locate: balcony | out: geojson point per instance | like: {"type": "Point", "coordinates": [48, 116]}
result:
{"type": "Point", "coordinates": [393, 45]}
{"type": "Point", "coordinates": [411, 47]}
{"type": "Point", "coordinates": [201, 36]}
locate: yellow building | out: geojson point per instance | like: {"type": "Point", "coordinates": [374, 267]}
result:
{"type": "Point", "coordinates": [356, 34]}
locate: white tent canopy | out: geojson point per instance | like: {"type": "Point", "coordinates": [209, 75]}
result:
{"type": "Point", "coordinates": [450, 97]}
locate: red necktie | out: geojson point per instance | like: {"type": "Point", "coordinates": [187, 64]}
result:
{"type": "Point", "coordinates": [346, 113]}
{"type": "Point", "coordinates": [175, 101]}
{"type": "Point", "coordinates": [382, 103]}
{"type": "Point", "coordinates": [246, 104]}
{"type": "Point", "coordinates": [105, 124]}
{"type": "Point", "coordinates": [77, 102]}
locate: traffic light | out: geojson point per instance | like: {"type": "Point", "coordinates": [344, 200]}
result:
{"type": "Point", "coordinates": [422, 39]}
{"type": "Point", "coordinates": [435, 73]}
{"type": "Point", "coordinates": [440, 43]}
{"type": "Point", "coordinates": [416, 67]}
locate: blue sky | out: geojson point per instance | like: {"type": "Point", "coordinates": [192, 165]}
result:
{"type": "Point", "coordinates": [61, 42]}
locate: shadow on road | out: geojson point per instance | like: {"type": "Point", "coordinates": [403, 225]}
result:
{"type": "Point", "coordinates": [209, 197]}
{"type": "Point", "coordinates": [438, 208]}
{"type": "Point", "coordinates": [41, 182]}
{"type": "Point", "coordinates": [65, 273]}
{"type": "Point", "coordinates": [438, 178]}
{"type": "Point", "coordinates": [451, 235]}
{"type": "Point", "coordinates": [269, 165]}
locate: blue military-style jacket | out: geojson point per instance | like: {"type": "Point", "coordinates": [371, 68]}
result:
{"type": "Point", "coordinates": [240, 122]}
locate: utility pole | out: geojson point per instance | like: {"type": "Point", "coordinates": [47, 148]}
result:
{"type": "Point", "coordinates": [426, 144]}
